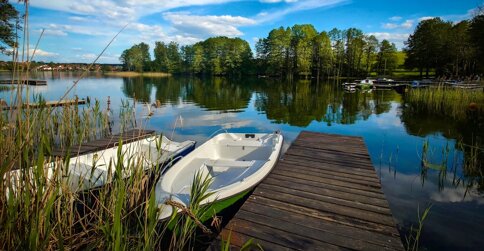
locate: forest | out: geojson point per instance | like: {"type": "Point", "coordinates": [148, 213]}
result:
{"type": "Point", "coordinates": [446, 48]}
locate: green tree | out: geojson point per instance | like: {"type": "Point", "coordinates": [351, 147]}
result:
{"type": "Point", "coordinates": [302, 38]}
{"type": "Point", "coordinates": [476, 32]}
{"type": "Point", "coordinates": [322, 54]}
{"type": "Point", "coordinates": [459, 50]}
{"type": "Point", "coordinates": [136, 58]}
{"type": "Point", "coordinates": [161, 56]}
{"type": "Point", "coordinates": [278, 45]}
{"type": "Point", "coordinates": [9, 22]}
{"type": "Point", "coordinates": [354, 51]}
{"type": "Point", "coordinates": [338, 45]}
{"type": "Point", "coordinates": [371, 46]}
{"type": "Point", "coordinates": [426, 46]}
{"type": "Point", "coordinates": [387, 58]}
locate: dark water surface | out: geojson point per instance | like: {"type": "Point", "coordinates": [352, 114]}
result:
{"type": "Point", "coordinates": [194, 108]}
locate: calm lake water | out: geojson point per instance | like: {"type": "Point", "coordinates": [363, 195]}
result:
{"type": "Point", "coordinates": [193, 108]}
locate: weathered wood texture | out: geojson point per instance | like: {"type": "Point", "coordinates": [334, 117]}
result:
{"type": "Point", "coordinates": [54, 103]}
{"type": "Point", "coordinates": [323, 194]}
{"type": "Point", "coordinates": [28, 82]}
{"type": "Point", "coordinates": [101, 144]}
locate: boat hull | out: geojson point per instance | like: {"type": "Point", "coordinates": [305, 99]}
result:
{"type": "Point", "coordinates": [235, 163]}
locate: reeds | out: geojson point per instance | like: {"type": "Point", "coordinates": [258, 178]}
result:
{"type": "Point", "coordinates": [40, 205]}
{"type": "Point", "coordinates": [412, 240]}
{"type": "Point", "coordinates": [454, 103]}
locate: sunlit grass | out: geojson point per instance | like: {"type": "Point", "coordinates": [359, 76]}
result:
{"type": "Point", "coordinates": [453, 103]}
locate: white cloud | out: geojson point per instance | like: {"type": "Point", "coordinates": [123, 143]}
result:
{"type": "Point", "coordinates": [42, 53]}
{"type": "Point", "coordinates": [390, 25]}
{"type": "Point", "coordinates": [405, 25]}
{"type": "Point", "coordinates": [204, 26]}
{"type": "Point", "coordinates": [54, 32]}
{"type": "Point", "coordinates": [79, 19]}
{"type": "Point", "coordinates": [296, 7]}
{"type": "Point", "coordinates": [120, 10]}
{"type": "Point", "coordinates": [425, 18]}
{"type": "Point", "coordinates": [397, 38]}
{"type": "Point", "coordinates": [277, 1]}
{"type": "Point", "coordinates": [395, 18]}
{"type": "Point", "coordinates": [390, 36]}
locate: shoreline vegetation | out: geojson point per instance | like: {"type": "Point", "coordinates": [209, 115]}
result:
{"type": "Point", "coordinates": [449, 51]}
{"type": "Point", "coordinates": [40, 206]}
{"type": "Point", "coordinates": [136, 74]}
{"type": "Point", "coordinates": [40, 211]}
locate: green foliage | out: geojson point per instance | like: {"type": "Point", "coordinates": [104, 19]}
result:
{"type": "Point", "coordinates": [476, 32]}
{"type": "Point", "coordinates": [453, 103]}
{"type": "Point", "coordinates": [137, 58]}
{"type": "Point", "coordinates": [386, 59]}
{"type": "Point", "coordinates": [167, 57]}
{"type": "Point", "coordinates": [9, 21]}
{"type": "Point", "coordinates": [450, 49]}
{"type": "Point", "coordinates": [413, 237]}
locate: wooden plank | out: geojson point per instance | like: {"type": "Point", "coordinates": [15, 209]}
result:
{"type": "Point", "coordinates": [324, 194]}
{"type": "Point", "coordinates": [315, 154]}
{"type": "Point", "coordinates": [49, 104]}
{"type": "Point", "coordinates": [237, 240]}
{"type": "Point", "coordinates": [335, 176]}
{"type": "Point", "coordinates": [302, 228]}
{"type": "Point", "coordinates": [309, 163]}
{"type": "Point", "coordinates": [102, 144]}
{"type": "Point", "coordinates": [341, 171]}
{"type": "Point", "coordinates": [350, 152]}
{"type": "Point", "coordinates": [324, 206]}
{"type": "Point", "coordinates": [326, 198]}
{"type": "Point", "coordinates": [311, 177]}
{"type": "Point", "coordinates": [323, 216]}
{"type": "Point", "coordinates": [336, 193]}
{"type": "Point", "coordinates": [329, 227]}
{"type": "Point", "coordinates": [280, 237]}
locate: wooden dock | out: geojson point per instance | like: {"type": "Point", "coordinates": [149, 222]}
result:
{"type": "Point", "coordinates": [53, 103]}
{"type": "Point", "coordinates": [101, 144]}
{"type": "Point", "coordinates": [28, 82]}
{"type": "Point", "coordinates": [324, 194]}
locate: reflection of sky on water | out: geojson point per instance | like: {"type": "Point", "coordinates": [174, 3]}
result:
{"type": "Point", "coordinates": [191, 109]}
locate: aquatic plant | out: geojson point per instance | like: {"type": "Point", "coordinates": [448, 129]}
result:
{"type": "Point", "coordinates": [450, 102]}
{"type": "Point", "coordinates": [413, 237]}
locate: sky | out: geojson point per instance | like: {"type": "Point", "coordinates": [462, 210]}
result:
{"type": "Point", "coordinates": [78, 30]}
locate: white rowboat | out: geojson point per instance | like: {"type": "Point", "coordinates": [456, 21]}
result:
{"type": "Point", "coordinates": [236, 163]}
{"type": "Point", "coordinates": [96, 169]}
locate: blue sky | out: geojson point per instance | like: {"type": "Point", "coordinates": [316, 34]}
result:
{"type": "Point", "coordinates": [77, 30]}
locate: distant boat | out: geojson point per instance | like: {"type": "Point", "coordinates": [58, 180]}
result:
{"type": "Point", "coordinates": [93, 170]}
{"type": "Point", "coordinates": [236, 163]}
{"type": "Point", "coordinates": [365, 84]}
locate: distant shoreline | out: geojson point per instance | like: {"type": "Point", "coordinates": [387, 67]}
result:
{"type": "Point", "coordinates": [136, 74]}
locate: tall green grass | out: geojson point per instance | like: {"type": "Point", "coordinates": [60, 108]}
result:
{"type": "Point", "coordinates": [453, 103]}
{"type": "Point", "coordinates": [40, 209]}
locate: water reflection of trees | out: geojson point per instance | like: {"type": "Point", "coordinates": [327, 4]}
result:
{"type": "Point", "coordinates": [299, 103]}
{"type": "Point", "coordinates": [139, 88]}
{"type": "Point", "coordinates": [219, 94]}
{"type": "Point", "coordinates": [468, 136]}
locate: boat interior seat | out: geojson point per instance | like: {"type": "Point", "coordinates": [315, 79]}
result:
{"type": "Point", "coordinates": [245, 143]}
{"type": "Point", "coordinates": [229, 172]}
{"type": "Point", "coordinates": [222, 171]}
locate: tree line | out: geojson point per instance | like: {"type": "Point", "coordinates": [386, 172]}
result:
{"type": "Point", "coordinates": [298, 50]}
{"type": "Point", "coordinates": [451, 49]}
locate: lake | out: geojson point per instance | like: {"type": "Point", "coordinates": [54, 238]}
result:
{"type": "Point", "coordinates": [396, 136]}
